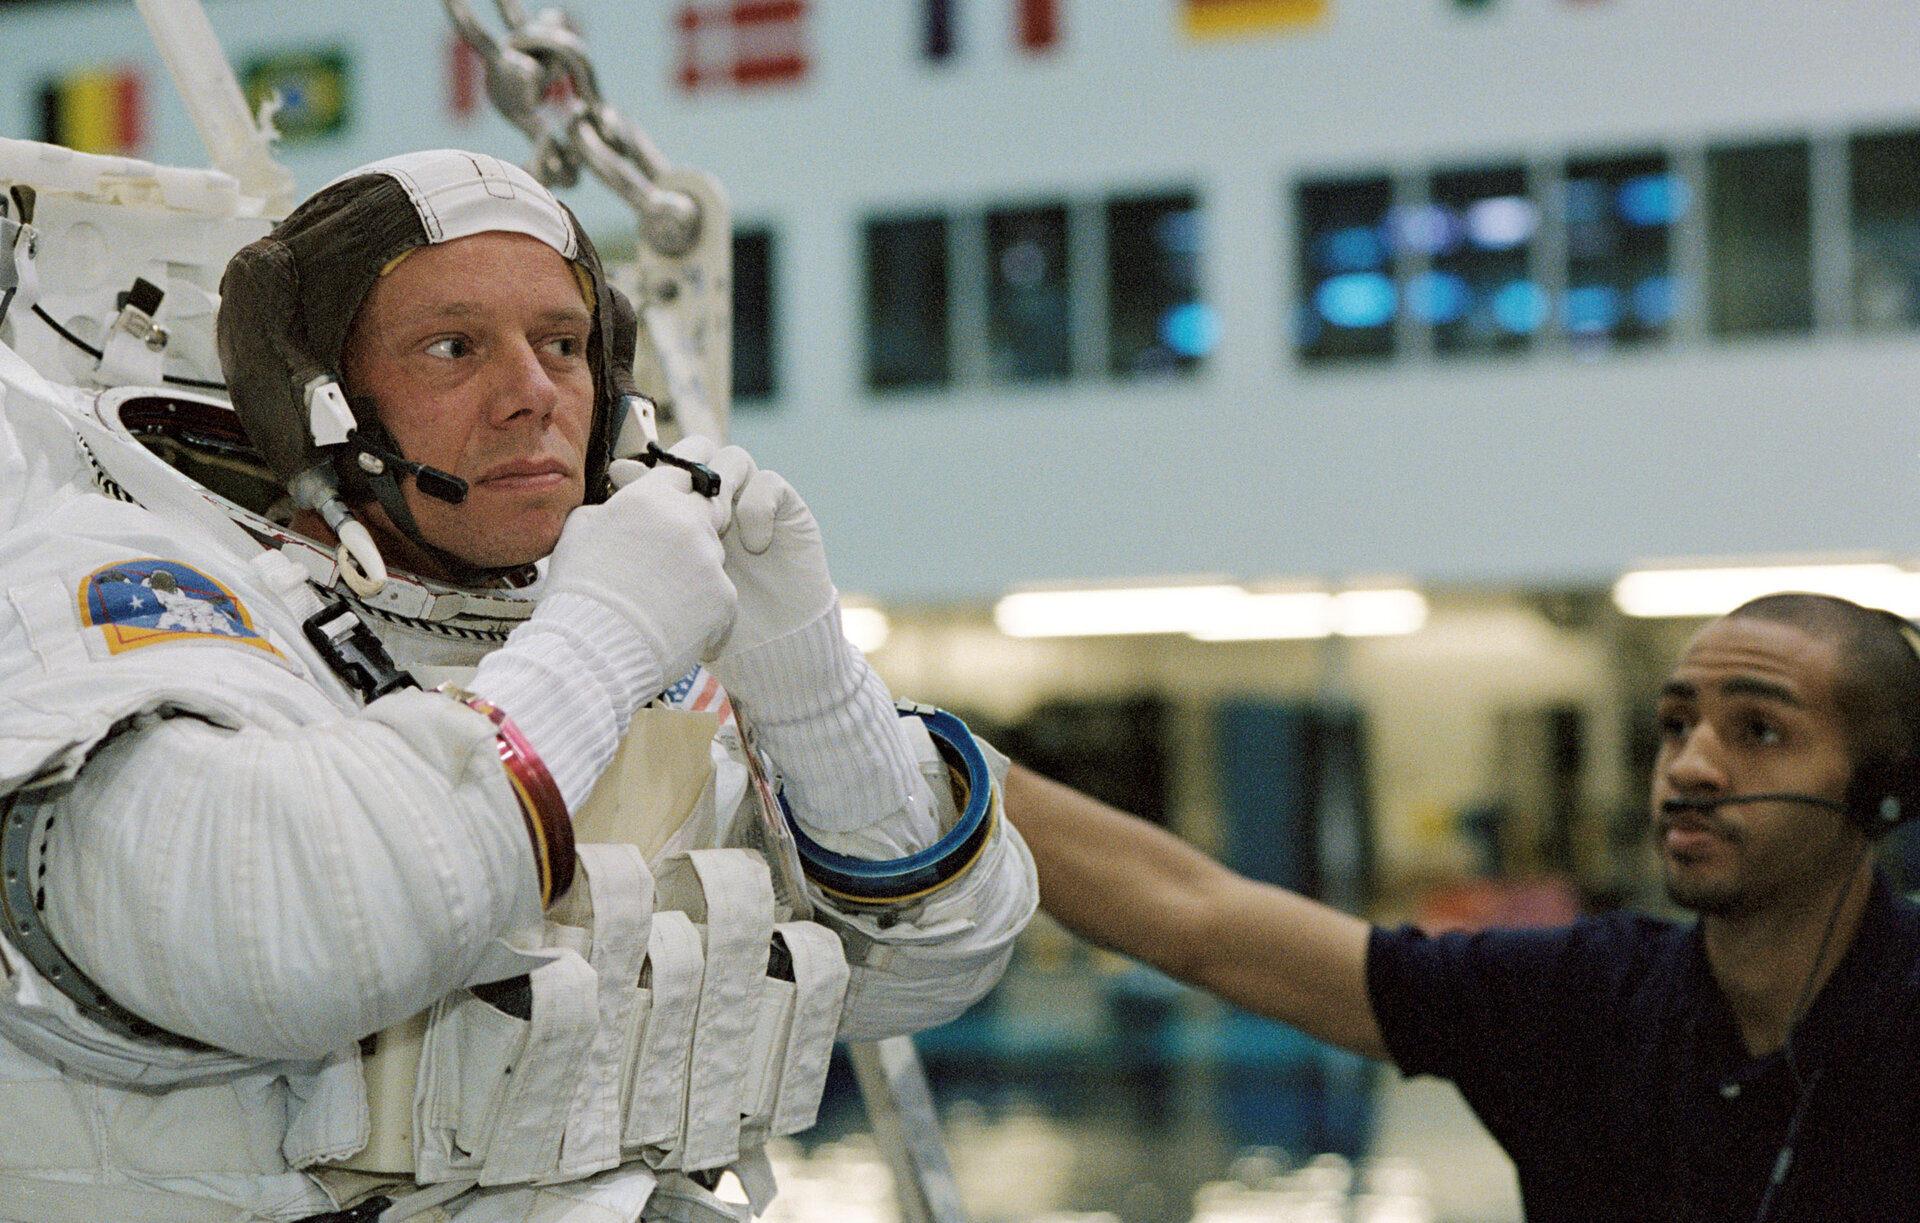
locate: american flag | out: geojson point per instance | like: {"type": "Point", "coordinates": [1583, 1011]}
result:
{"type": "Point", "coordinates": [698, 690]}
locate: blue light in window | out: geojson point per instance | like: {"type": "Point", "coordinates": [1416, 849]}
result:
{"type": "Point", "coordinates": [1191, 329]}
{"type": "Point", "coordinates": [1358, 299]}
{"type": "Point", "coordinates": [1592, 309]}
{"type": "Point", "coordinates": [1438, 297]}
{"type": "Point", "coordinates": [1357, 248]}
{"type": "Point", "coordinates": [1502, 222]}
{"type": "Point", "coordinates": [1654, 300]}
{"type": "Point", "coordinates": [1652, 199]}
{"type": "Point", "coordinates": [1426, 229]}
{"type": "Point", "coordinates": [1520, 307]}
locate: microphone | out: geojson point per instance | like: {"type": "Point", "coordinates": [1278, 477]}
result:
{"type": "Point", "coordinates": [374, 459]}
{"type": "Point", "coordinates": [1672, 806]}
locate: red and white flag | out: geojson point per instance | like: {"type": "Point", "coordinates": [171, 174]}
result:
{"type": "Point", "coordinates": [742, 43]}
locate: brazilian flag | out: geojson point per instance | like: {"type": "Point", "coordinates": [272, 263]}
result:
{"type": "Point", "coordinates": [314, 85]}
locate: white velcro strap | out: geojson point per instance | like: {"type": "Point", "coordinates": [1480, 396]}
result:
{"type": "Point", "coordinates": [729, 893]}
{"type": "Point", "coordinates": [670, 994]}
{"type": "Point", "coordinates": [769, 1053]}
{"type": "Point", "coordinates": [755, 1173]}
{"type": "Point", "coordinates": [534, 1106]}
{"type": "Point", "coordinates": [820, 984]}
{"type": "Point", "coordinates": [495, 1089]}
{"type": "Point", "coordinates": [621, 891]}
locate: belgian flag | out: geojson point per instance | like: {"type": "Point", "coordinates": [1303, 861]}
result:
{"type": "Point", "coordinates": [100, 110]}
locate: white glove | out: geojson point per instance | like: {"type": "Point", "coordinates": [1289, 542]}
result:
{"type": "Point", "coordinates": [651, 554]}
{"type": "Point", "coordinates": [635, 594]}
{"type": "Point", "coordinates": [815, 705]}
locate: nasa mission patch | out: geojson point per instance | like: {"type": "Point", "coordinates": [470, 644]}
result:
{"type": "Point", "coordinates": [143, 602]}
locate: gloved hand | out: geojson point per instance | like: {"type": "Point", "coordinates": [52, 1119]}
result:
{"type": "Point", "coordinates": [636, 593]}
{"type": "Point", "coordinates": [651, 554]}
{"type": "Point", "coordinates": [815, 705]}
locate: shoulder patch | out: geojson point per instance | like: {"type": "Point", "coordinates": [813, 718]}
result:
{"type": "Point", "coordinates": [136, 603]}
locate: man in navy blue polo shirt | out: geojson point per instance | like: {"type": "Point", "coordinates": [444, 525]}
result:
{"type": "Point", "coordinates": [1759, 1065]}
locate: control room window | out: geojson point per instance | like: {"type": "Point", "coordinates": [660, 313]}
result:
{"type": "Point", "coordinates": [1885, 193]}
{"type": "Point", "coordinates": [1480, 295]}
{"type": "Point", "coordinates": [1156, 322]}
{"type": "Point", "coordinates": [755, 351]}
{"type": "Point", "coordinates": [1348, 300]}
{"type": "Point", "coordinates": [906, 279]}
{"type": "Point", "coordinates": [1759, 239]}
{"type": "Point", "coordinates": [1029, 313]}
{"type": "Point", "coordinates": [1620, 214]}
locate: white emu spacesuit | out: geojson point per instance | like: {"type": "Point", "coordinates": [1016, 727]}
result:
{"type": "Point", "coordinates": [241, 839]}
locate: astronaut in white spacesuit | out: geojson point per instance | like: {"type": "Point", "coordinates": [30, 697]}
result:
{"type": "Point", "coordinates": [245, 831]}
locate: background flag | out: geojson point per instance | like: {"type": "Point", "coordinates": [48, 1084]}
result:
{"type": "Point", "coordinates": [1039, 24]}
{"type": "Point", "coordinates": [742, 43]}
{"type": "Point", "coordinates": [95, 111]}
{"type": "Point", "coordinates": [1226, 18]}
{"type": "Point", "coordinates": [314, 91]}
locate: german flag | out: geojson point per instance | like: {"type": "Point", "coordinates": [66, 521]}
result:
{"type": "Point", "coordinates": [1228, 18]}
{"type": "Point", "coordinates": [100, 110]}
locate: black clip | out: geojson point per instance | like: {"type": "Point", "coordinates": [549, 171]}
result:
{"type": "Point", "coordinates": [366, 1212]}
{"type": "Point", "coordinates": [706, 481]}
{"type": "Point", "coordinates": [353, 652]}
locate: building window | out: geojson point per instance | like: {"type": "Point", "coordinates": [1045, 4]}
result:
{"type": "Point", "coordinates": [1759, 239]}
{"type": "Point", "coordinates": [1348, 300]}
{"type": "Point", "coordinates": [1479, 293]}
{"type": "Point", "coordinates": [906, 275]}
{"type": "Point", "coordinates": [1156, 322]}
{"type": "Point", "coordinates": [1885, 194]}
{"type": "Point", "coordinates": [1029, 317]}
{"type": "Point", "coordinates": [1620, 213]}
{"type": "Point", "coordinates": [755, 351]}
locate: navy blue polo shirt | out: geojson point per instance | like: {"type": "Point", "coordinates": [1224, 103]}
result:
{"type": "Point", "coordinates": [1603, 1057]}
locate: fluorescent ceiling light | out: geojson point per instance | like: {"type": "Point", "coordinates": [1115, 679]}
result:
{"type": "Point", "coordinates": [1380, 613]}
{"type": "Point", "coordinates": [865, 627]}
{"type": "Point", "coordinates": [1716, 591]}
{"type": "Point", "coordinates": [1212, 612]}
{"type": "Point", "coordinates": [1110, 611]}
{"type": "Point", "coordinates": [1296, 615]}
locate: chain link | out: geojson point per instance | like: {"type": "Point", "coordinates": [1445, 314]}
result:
{"type": "Point", "coordinates": [542, 67]}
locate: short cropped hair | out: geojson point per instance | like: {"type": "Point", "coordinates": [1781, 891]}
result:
{"type": "Point", "coordinates": [1879, 694]}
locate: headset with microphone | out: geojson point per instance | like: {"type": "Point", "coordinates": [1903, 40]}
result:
{"type": "Point", "coordinates": [1880, 816]}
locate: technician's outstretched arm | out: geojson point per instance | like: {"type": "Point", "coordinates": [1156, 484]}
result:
{"type": "Point", "coordinates": [1123, 883]}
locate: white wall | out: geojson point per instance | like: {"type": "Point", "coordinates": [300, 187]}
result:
{"type": "Point", "coordinates": [1539, 469]}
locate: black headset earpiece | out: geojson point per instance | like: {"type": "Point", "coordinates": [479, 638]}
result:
{"type": "Point", "coordinates": [1887, 793]}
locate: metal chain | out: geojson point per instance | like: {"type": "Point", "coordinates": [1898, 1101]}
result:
{"type": "Point", "coordinates": [541, 66]}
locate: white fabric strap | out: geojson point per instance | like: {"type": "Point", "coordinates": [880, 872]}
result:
{"type": "Point", "coordinates": [732, 891]}
{"type": "Point", "coordinates": [621, 891]}
{"type": "Point", "coordinates": [657, 1082]}
{"type": "Point", "coordinates": [755, 1172]}
{"type": "Point", "coordinates": [820, 985]}
{"type": "Point", "coordinates": [678, 1200]}
{"type": "Point", "coordinates": [762, 1072]}
{"type": "Point", "coordinates": [525, 1144]}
